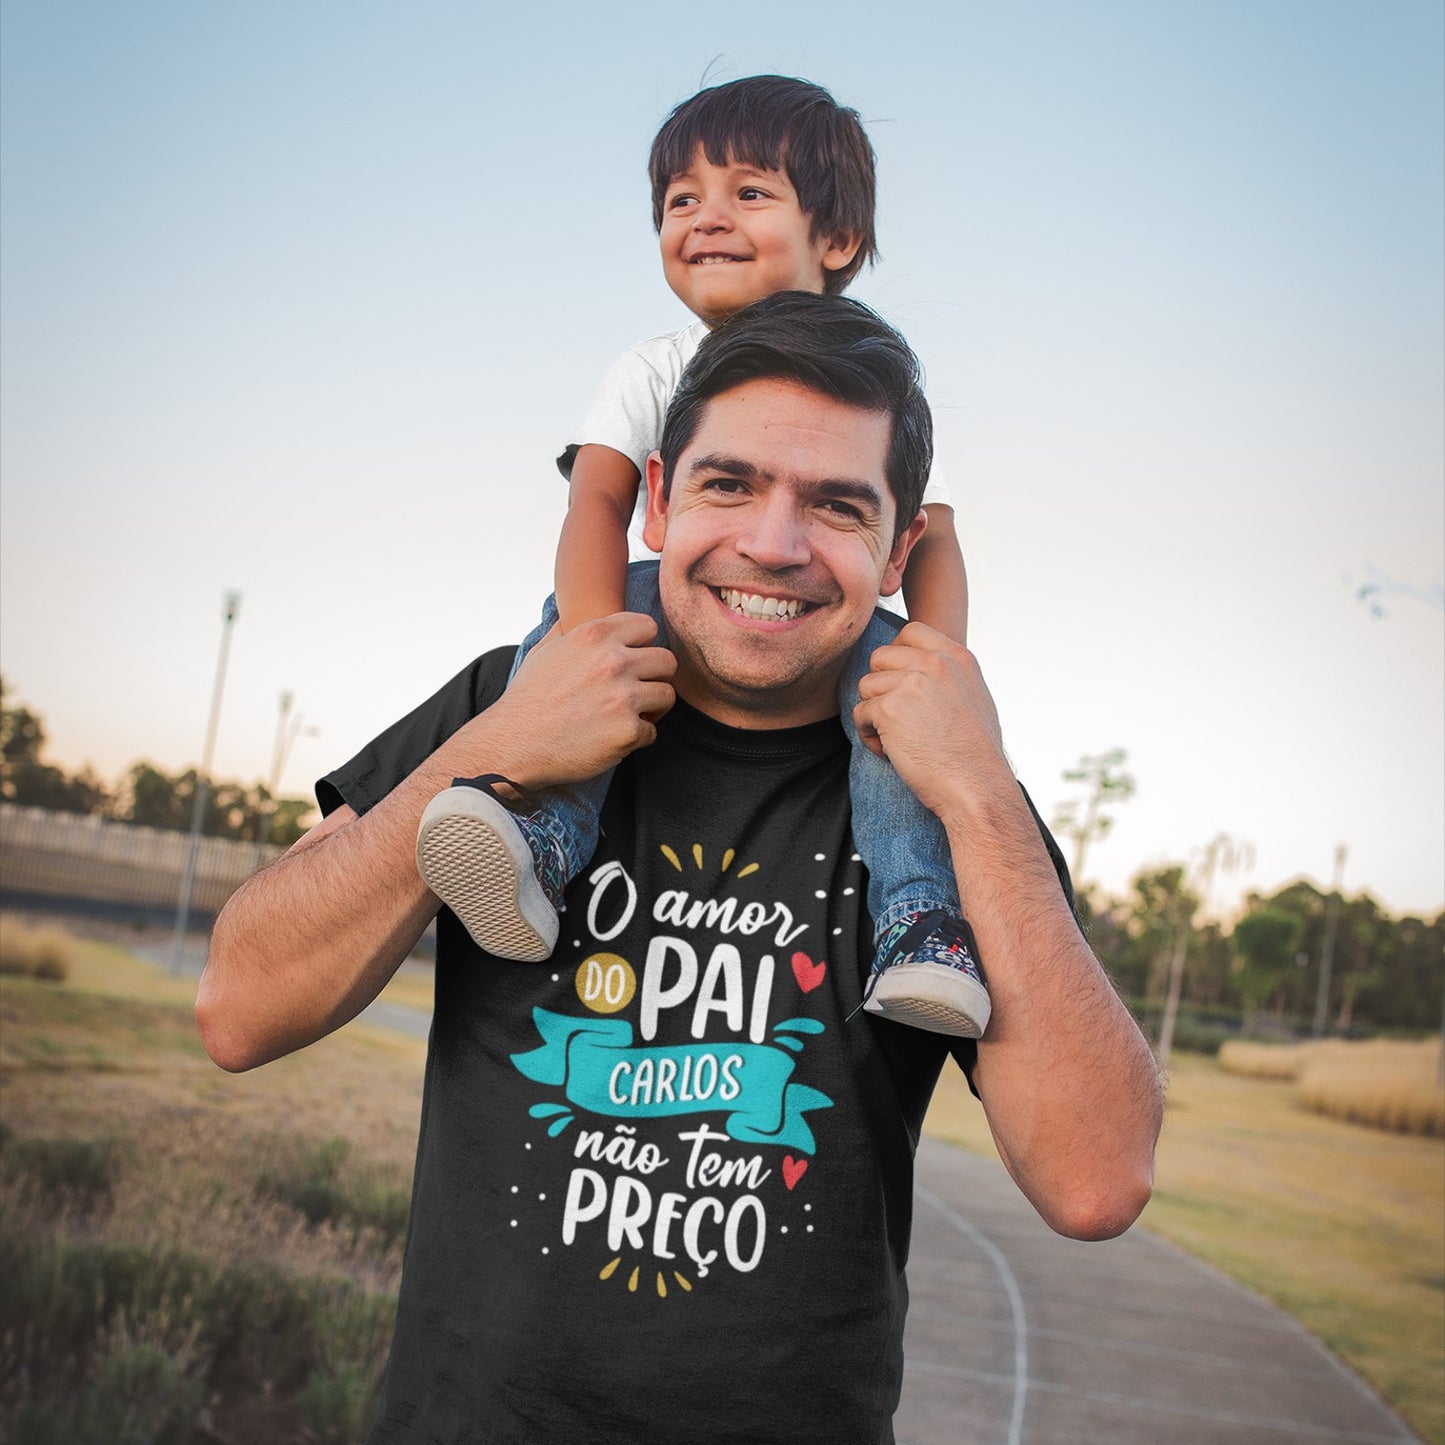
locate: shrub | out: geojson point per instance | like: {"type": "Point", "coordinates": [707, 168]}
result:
{"type": "Point", "coordinates": [116, 1344]}
{"type": "Point", "coordinates": [1387, 1084]}
{"type": "Point", "coordinates": [337, 1407]}
{"type": "Point", "coordinates": [80, 1170]}
{"type": "Point", "coordinates": [30, 952]}
{"type": "Point", "coordinates": [1264, 1061]}
{"type": "Point", "coordinates": [1393, 1086]}
{"type": "Point", "coordinates": [310, 1179]}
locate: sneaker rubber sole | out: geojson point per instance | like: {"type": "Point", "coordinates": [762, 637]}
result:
{"type": "Point", "coordinates": [473, 856]}
{"type": "Point", "coordinates": [932, 996]}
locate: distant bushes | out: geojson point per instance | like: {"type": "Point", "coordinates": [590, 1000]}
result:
{"type": "Point", "coordinates": [1383, 1084]}
{"type": "Point", "coordinates": [29, 952]}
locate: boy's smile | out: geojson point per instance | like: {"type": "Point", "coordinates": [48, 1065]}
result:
{"type": "Point", "coordinates": [733, 234]}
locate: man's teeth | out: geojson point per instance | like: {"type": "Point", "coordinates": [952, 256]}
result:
{"type": "Point", "coordinates": [761, 609]}
{"type": "Point", "coordinates": [714, 260]}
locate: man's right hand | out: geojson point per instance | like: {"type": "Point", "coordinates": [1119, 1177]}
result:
{"type": "Point", "coordinates": [582, 700]}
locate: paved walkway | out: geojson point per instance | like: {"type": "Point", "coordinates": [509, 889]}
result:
{"type": "Point", "coordinates": [1018, 1337]}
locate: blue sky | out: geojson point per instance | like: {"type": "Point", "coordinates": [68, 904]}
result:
{"type": "Point", "coordinates": [303, 299]}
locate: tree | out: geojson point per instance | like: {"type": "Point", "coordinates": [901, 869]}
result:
{"type": "Point", "coordinates": [25, 779]}
{"type": "Point", "coordinates": [155, 799]}
{"type": "Point", "coordinates": [1105, 785]}
{"type": "Point", "coordinates": [1266, 945]}
{"type": "Point", "coordinates": [1222, 851]}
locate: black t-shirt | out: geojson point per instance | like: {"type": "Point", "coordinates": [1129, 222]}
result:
{"type": "Point", "coordinates": [664, 1180]}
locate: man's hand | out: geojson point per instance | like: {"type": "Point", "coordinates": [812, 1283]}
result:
{"type": "Point", "coordinates": [583, 700]}
{"type": "Point", "coordinates": [925, 707]}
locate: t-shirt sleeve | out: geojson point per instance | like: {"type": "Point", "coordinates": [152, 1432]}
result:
{"type": "Point", "coordinates": [627, 412]}
{"type": "Point", "coordinates": [405, 745]}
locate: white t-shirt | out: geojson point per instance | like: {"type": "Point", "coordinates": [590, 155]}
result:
{"type": "Point", "coordinates": [628, 411]}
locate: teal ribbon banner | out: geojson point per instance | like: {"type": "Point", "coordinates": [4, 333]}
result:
{"type": "Point", "coordinates": [594, 1061]}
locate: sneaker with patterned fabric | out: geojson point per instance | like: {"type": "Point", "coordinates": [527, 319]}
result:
{"type": "Point", "coordinates": [497, 871]}
{"type": "Point", "coordinates": [926, 974]}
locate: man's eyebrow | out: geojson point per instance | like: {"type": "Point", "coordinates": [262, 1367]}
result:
{"type": "Point", "coordinates": [738, 467]}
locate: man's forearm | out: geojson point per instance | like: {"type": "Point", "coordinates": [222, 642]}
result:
{"type": "Point", "coordinates": [1068, 1082]}
{"type": "Point", "coordinates": [304, 946]}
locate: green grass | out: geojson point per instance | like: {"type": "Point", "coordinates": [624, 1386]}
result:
{"type": "Point", "coordinates": [1341, 1226]}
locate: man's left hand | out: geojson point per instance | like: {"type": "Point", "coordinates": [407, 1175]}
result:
{"type": "Point", "coordinates": [925, 707]}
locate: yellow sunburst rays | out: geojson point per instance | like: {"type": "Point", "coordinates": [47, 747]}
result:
{"type": "Point", "coordinates": [670, 853]}
{"type": "Point", "coordinates": [610, 1268]}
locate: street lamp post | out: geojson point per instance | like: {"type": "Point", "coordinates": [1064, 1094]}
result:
{"type": "Point", "coordinates": [288, 729]}
{"type": "Point", "coordinates": [230, 606]}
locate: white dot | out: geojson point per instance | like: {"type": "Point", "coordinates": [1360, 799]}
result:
{"type": "Point", "coordinates": [514, 1189]}
{"type": "Point", "coordinates": [821, 893]}
{"type": "Point", "coordinates": [783, 1229]}
{"type": "Point", "coordinates": [528, 1146]}
{"type": "Point", "coordinates": [545, 1250]}
{"type": "Point", "coordinates": [514, 1224]}
{"type": "Point", "coordinates": [555, 977]}
{"type": "Point", "coordinates": [836, 932]}
{"type": "Point", "coordinates": [856, 858]}
{"type": "Point", "coordinates": [847, 893]}
{"type": "Point", "coordinates": [542, 1197]}
{"type": "Point", "coordinates": [819, 857]}
{"type": "Point", "coordinates": [808, 1208]}
{"type": "Point", "coordinates": [810, 1229]}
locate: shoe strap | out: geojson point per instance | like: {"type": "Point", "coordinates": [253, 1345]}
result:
{"type": "Point", "coordinates": [521, 800]}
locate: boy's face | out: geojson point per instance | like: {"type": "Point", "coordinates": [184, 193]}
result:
{"type": "Point", "coordinates": [733, 234]}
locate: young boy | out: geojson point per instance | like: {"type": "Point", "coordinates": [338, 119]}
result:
{"type": "Point", "coordinates": [758, 186]}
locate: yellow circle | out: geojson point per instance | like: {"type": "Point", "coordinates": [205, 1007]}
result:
{"type": "Point", "coordinates": [605, 983]}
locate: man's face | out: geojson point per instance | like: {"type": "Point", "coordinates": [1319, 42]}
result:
{"type": "Point", "coordinates": [776, 542]}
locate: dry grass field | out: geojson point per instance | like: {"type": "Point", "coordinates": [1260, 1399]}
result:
{"type": "Point", "coordinates": [1341, 1225]}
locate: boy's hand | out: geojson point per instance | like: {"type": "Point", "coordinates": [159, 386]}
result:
{"type": "Point", "coordinates": [925, 707]}
{"type": "Point", "coordinates": [584, 699]}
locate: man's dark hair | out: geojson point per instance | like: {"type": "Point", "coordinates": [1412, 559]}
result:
{"type": "Point", "coordinates": [832, 344]}
{"type": "Point", "coordinates": [780, 124]}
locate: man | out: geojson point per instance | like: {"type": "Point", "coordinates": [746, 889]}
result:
{"type": "Point", "coordinates": [664, 1180]}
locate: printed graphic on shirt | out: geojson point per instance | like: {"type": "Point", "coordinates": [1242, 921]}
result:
{"type": "Point", "coordinates": [680, 1089]}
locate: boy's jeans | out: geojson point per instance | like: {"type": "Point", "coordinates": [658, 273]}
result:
{"type": "Point", "coordinates": [902, 844]}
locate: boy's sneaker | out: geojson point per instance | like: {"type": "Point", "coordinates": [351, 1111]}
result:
{"type": "Point", "coordinates": [501, 875]}
{"type": "Point", "coordinates": [927, 975]}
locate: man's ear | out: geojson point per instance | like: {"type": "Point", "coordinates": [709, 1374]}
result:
{"type": "Point", "coordinates": [654, 526]}
{"type": "Point", "coordinates": [898, 558]}
{"type": "Point", "coordinates": [841, 250]}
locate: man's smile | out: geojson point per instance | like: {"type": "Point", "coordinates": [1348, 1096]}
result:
{"type": "Point", "coordinates": [759, 607]}
{"type": "Point", "coordinates": [713, 258]}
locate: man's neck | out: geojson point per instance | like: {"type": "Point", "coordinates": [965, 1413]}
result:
{"type": "Point", "coordinates": [755, 711]}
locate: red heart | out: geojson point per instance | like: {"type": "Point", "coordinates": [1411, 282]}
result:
{"type": "Point", "coordinates": [808, 973]}
{"type": "Point", "coordinates": [793, 1169]}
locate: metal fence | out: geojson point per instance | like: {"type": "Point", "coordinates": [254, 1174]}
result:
{"type": "Point", "coordinates": [97, 863]}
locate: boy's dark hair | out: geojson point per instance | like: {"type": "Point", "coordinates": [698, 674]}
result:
{"type": "Point", "coordinates": [833, 344]}
{"type": "Point", "coordinates": [780, 124]}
